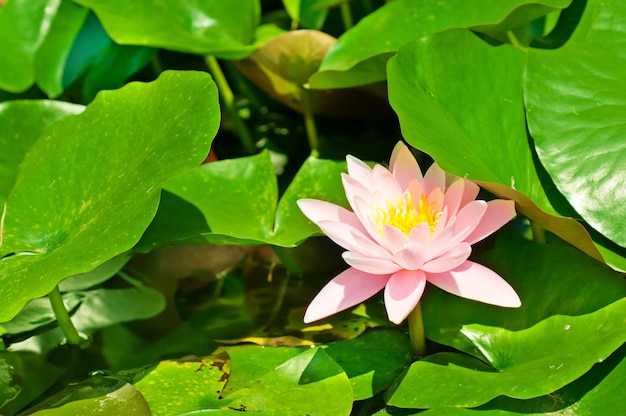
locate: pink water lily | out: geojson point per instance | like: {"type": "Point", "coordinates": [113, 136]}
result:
{"type": "Point", "coordinates": [407, 229]}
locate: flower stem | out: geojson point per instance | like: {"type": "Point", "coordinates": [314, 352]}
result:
{"type": "Point", "coordinates": [416, 332]}
{"type": "Point", "coordinates": [346, 16]}
{"type": "Point", "coordinates": [63, 318]}
{"type": "Point", "coordinates": [539, 233]}
{"type": "Point", "coordinates": [309, 121]}
{"type": "Point", "coordinates": [287, 261]}
{"type": "Point", "coordinates": [228, 99]}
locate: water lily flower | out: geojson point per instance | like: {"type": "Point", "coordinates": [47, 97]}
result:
{"type": "Point", "coordinates": [406, 229]}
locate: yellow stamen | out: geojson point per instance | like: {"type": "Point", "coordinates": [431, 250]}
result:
{"type": "Point", "coordinates": [403, 215]}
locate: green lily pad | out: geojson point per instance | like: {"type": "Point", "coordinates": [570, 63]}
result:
{"type": "Point", "coordinates": [571, 315]}
{"type": "Point", "coordinates": [550, 280]}
{"type": "Point", "coordinates": [60, 219]}
{"type": "Point", "coordinates": [52, 56]}
{"type": "Point", "coordinates": [306, 13]}
{"type": "Point", "coordinates": [530, 363]}
{"type": "Point", "coordinates": [243, 183]}
{"type": "Point", "coordinates": [181, 386]}
{"type": "Point", "coordinates": [401, 21]}
{"type": "Point", "coordinates": [575, 99]}
{"type": "Point", "coordinates": [598, 390]}
{"type": "Point", "coordinates": [372, 360]}
{"type": "Point", "coordinates": [101, 396]}
{"type": "Point", "coordinates": [469, 135]}
{"type": "Point", "coordinates": [310, 383]}
{"type": "Point", "coordinates": [23, 27]}
{"type": "Point", "coordinates": [24, 376]}
{"type": "Point", "coordinates": [21, 124]}
{"type": "Point", "coordinates": [96, 276]}
{"type": "Point", "coordinates": [214, 27]}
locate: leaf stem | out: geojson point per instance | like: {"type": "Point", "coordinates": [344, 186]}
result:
{"type": "Point", "coordinates": [287, 260]}
{"type": "Point", "coordinates": [346, 15]}
{"type": "Point", "coordinates": [416, 332]}
{"type": "Point", "coordinates": [514, 41]}
{"type": "Point", "coordinates": [228, 100]}
{"type": "Point", "coordinates": [539, 233]}
{"type": "Point", "coordinates": [309, 121]}
{"type": "Point", "coordinates": [63, 318]}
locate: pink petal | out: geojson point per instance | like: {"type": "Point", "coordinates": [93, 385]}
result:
{"type": "Point", "coordinates": [470, 192]}
{"type": "Point", "coordinates": [442, 222]}
{"type": "Point", "coordinates": [347, 289]}
{"type": "Point", "coordinates": [412, 257]}
{"type": "Point", "coordinates": [317, 211]}
{"type": "Point", "coordinates": [363, 210]}
{"type": "Point", "coordinates": [354, 188]}
{"type": "Point", "coordinates": [499, 212]}
{"type": "Point", "coordinates": [421, 233]}
{"type": "Point", "coordinates": [467, 219]}
{"type": "Point", "coordinates": [450, 260]}
{"type": "Point", "coordinates": [384, 182]}
{"type": "Point", "coordinates": [352, 239]}
{"type": "Point", "coordinates": [394, 238]}
{"type": "Point", "coordinates": [402, 293]}
{"type": "Point", "coordinates": [359, 171]}
{"type": "Point", "coordinates": [369, 247]}
{"type": "Point", "coordinates": [454, 196]}
{"type": "Point", "coordinates": [416, 189]}
{"type": "Point", "coordinates": [369, 264]}
{"type": "Point", "coordinates": [474, 281]}
{"type": "Point", "coordinates": [435, 177]}
{"type": "Point", "coordinates": [403, 166]}
{"type": "Point", "coordinates": [436, 199]}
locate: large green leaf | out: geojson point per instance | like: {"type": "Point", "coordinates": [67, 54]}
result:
{"type": "Point", "coordinates": [571, 321]}
{"type": "Point", "coordinates": [576, 99]}
{"type": "Point", "coordinates": [24, 376]}
{"type": "Point", "coordinates": [21, 124]}
{"type": "Point", "coordinates": [238, 198]}
{"type": "Point", "coordinates": [52, 56]}
{"type": "Point", "coordinates": [310, 383]}
{"type": "Point", "coordinates": [460, 100]}
{"type": "Point", "coordinates": [90, 185]}
{"type": "Point", "coordinates": [225, 29]}
{"type": "Point", "coordinates": [176, 387]}
{"type": "Point", "coordinates": [306, 13]}
{"type": "Point", "coordinates": [98, 395]}
{"type": "Point", "coordinates": [593, 394]}
{"type": "Point", "coordinates": [530, 363]}
{"type": "Point", "coordinates": [23, 26]}
{"type": "Point", "coordinates": [349, 62]}
{"type": "Point", "coordinates": [372, 360]}
{"type": "Point", "coordinates": [550, 280]}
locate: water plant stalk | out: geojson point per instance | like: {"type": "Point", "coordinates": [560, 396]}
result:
{"type": "Point", "coordinates": [346, 16]}
{"type": "Point", "coordinates": [63, 318]}
{"type": "Point", "coordinates": [416, 332]}
{"type": "Point", "coordinates": [228, 100]}
{"type": "Point", "coordinates": [309, 120]}
{"type": "Point", "coordinates": [539, 233]}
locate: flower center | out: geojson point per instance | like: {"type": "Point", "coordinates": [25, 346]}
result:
{"type": "Point", "coordinates": [403, 215]}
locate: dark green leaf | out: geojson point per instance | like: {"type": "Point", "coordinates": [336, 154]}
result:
{"type": "Point", "coordinates": [225, 29]}
{"type": "Point", "coordinates": [90, 186]}
{"type": "Point", "coordinates": [176, 387]}
{"type": "Point", "coordinates": [447, 78]}
{"type": "Point", "coordinates": [530, 362]}
{"type": "Point", "coordinates": [401, 21]}
{"type": "Point", "coordinates": [576, 99]}
{"type": "Point", "coordinates": [310, 383]}
{"type": "Point", "coordinates": [51, 57]}
{"type": "Point", "coordinates": [372, 360]}
{"type": "Point", "coordinates": [247, 187]}
{"type": "Point", "coordinates": [21, 124]}
{"type": "Point", "coordinates": [23, 26]}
